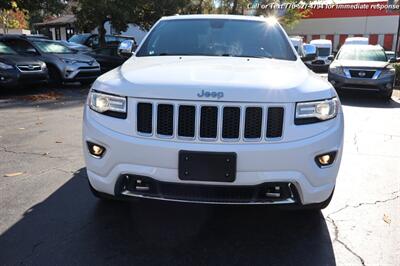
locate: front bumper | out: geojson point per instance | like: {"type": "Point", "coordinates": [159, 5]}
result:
{"type": "Point", "coordinates": [367, 84]}
{"type": "Point", "coordinates": [288, 162]}
{"type": "Point", "coordinates": [81, 72]}
{"type": "Point", "coordinates": [12, 78]}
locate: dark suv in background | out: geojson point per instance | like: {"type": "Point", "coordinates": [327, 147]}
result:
{"type": "Point", "coordinates": [92, 40]}
{"type": "Point", "coordinates": [64, 64]}
{"type": "Point", "coordinates": [18, 70]}
{"type": "Point", "coordinates": [363, 68]}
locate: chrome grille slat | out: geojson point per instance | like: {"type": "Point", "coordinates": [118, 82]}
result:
{"type": "Point", "coordinates": [209, 121]}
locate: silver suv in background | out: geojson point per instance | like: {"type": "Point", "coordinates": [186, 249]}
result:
{"type": "Point", "coordinates": [64, 64]}
{"type": "Point", "coordinates": [363, 68]}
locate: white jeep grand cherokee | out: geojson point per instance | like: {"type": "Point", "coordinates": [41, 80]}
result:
{"type": "Point", "coordinates": [214, 109]}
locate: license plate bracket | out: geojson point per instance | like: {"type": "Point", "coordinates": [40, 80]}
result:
{"type": "Point", "coordinates": [207, 166]}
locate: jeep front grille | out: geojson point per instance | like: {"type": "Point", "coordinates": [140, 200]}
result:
{"type": "Point", "coordinates": [209, 122]}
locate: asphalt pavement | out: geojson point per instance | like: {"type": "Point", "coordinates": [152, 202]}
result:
{"type": "Point", "coordinates": [49, 217]}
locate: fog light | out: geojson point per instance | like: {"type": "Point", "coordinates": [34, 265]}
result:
{"type": "Point", "coordinates": [95, 149]}
{"type": "Point", "coordinates": [325, 159]}
{"type": "Point", "coordinates": [389, 86]}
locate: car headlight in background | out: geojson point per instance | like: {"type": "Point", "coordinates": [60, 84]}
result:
{"type": "Point", "coordinates": [5, 66]}
{"type": "Point", "coordinates": [387, 72]}
{"type": "Point", "coordinates": [107, 104]}
{"type": "Point", "coordinates": [316, 111]}
{"type": "Point", "coordinates": [43, 65]}
{"type": "Point", "coordinates": [338, 70]}
{"type": "Point", "coordinates": [69, 61]}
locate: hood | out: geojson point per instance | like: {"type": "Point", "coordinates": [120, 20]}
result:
{"type": "Point", "coordinates": [19, 60]}
{"type": "Point", "coordinates": [77, 57]}
{"type": "Point", "coordinates": [239, 79]}
{"type": "Point", "coordinates": [361, 64]}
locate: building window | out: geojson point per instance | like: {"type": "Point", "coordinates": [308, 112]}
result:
{"type": "Point", "coordinates": [69, 32]}
{"type": "Point", "coordinates": [58, 33]}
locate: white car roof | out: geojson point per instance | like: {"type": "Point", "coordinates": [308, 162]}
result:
{"type": "Point", "coordinates": [363, 46]}
{"type": "Point", "coordinates": [356, 40]}
{"type": "Point", "coordinates": [321, 41]}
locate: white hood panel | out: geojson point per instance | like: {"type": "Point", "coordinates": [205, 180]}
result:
{"type": "Point", "coordinates": [239, 79]}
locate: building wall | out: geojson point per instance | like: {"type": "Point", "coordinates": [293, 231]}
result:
{"type": "Point", "coordinates": [379, 26]}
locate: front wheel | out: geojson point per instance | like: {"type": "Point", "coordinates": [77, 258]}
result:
{"type": "Point", "coordinates": [387, 95]}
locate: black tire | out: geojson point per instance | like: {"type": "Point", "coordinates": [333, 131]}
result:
{"type": "Point", "coordinates": [54, 76]}
{"type": "Point", "coordinates": [387, 95]}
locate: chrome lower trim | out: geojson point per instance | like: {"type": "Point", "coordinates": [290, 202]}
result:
{"type": "Point", "coordinates": [279, 202]}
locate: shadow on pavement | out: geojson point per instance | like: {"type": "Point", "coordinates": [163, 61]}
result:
{"type": "Point", "coordinates": [67, 95]}
{"type": "Point", "coordinates": [368, 99]}
{"type": "Point", "coordinates": [71, 227]}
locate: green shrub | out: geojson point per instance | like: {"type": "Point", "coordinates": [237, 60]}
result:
{"type": "Point", "coordinates": [397, 79]}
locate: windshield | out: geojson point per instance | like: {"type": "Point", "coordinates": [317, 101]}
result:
{"type": "Point", "coordinates": [321, 51]}
{"type": "Point", "coordinates": [362, 54]}
{"type": "Point", "coordinates": [79, 38]}
{"type": "Point", "coordinates": [52, 47]}
{"type": "Point", "coordinates": [5, 49]}
{"type": "Point", "coordinates": [217, 37]}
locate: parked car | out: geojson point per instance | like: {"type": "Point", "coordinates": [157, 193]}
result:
{"type": "Point", "coordinates": [390, 55]}
{"type": "Point", "coordinates": [64, 65]}
{"type": "Point", "coordinates": [356, 41]}
{"type": "Point", "coordinates": [16, 70]}
{"type": "Point", "coordinates": [79, 48]}
{"type": "Point", "coordinates": [298, 44]}
{"type": "Point", "coordinates": [310, 49]}
{"type": "Point", "coordinates": [92, 40]}
{"type": "Point", "coordinates": [222, 112]}
{"type": "Point", "coordinates": [362, 67]}
{"type": "Point", "coordinates": [324, 55]}
{"type": "Point", "coordinates": [107, 57]}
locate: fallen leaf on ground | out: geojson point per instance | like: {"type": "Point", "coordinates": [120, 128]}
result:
{"type": "Point", "coordinates": [57, 141]}
{"type": "Point", "coordinates": [43, 96]}
{"type": "Point", "coordinates": [13, 174]}
{"type": "Point", "coordinates": [386, 219]}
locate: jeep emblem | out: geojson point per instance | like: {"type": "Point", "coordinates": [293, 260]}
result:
{"type": "Point", "coordinates": [211, 94]}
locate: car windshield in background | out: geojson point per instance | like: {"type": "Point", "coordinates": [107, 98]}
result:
{"type": "Point", "coordinates": [323, 51]}
{"type": "Point", "coordinates": [52, 47]}
{"type": "Point", "coordinates": [217, 37]}
{"type": "Point", "coordinates": [5, 49]}
{"type": "Point", "coordinates": [362, 54]}
{"type": "Point", "coordinates": [79, 38]}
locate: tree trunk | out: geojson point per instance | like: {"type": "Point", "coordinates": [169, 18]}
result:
{"type": "Point", "coordinates": [200, 7]}
{"type": "Point", "coordinates": [234, 7]}
{"type": "Point", "coordinates": [102, 34]}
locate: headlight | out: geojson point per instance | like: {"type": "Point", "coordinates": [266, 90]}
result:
{"type": "Point", "coordinates": [312, 112]}
{"type": "Point", "coordinates": [338, 70]}
{"type": "Point", "coordinates": [43, 65]}
{"type": "Point", "coordinates": [69, 61]}
{"type": "Point", "coordinates": [387, 72]}
{"type": "Point", "coordinates": [107, 104]}
{"type": "Point", "coordinates": [5, 66]}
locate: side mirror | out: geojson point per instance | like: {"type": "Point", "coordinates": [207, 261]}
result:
{"type": "Point", "coordinates": [310, 52]}
{"type": "Point", "coordinates": [126, 48]}
{"type": "Point", "coordinates": [31, 51]}
{"type": "Point", "coordinates": [331, 57]}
